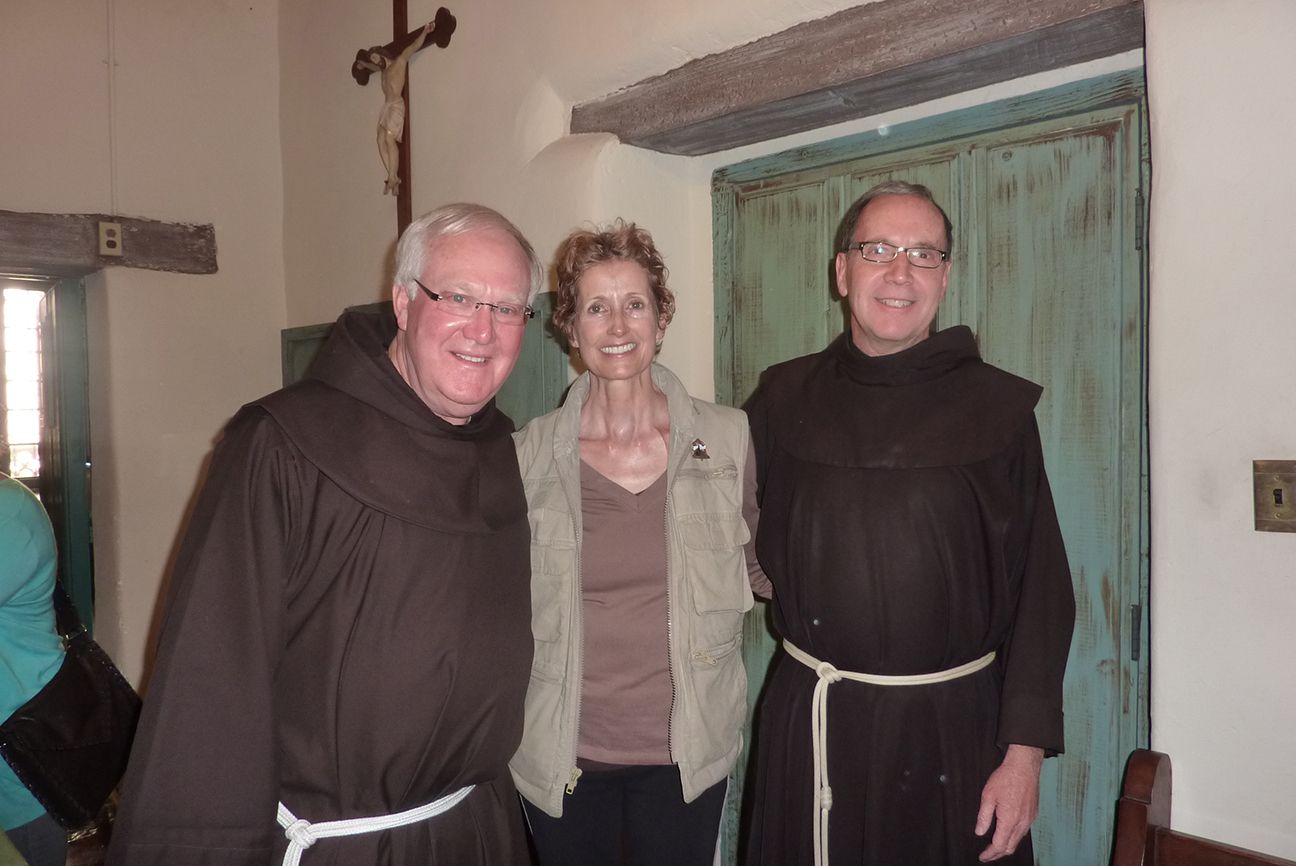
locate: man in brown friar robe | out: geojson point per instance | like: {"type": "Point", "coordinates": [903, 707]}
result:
{"type": "Point", "coordinates": [920, 581]}
{"type": "Point", "coordinates": [347, 634]}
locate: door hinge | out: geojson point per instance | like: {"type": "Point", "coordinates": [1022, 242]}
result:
{"type": "Point", "coordinates": [1136, 632]}
{"type": "Point", "coordinates": [1138, 219]}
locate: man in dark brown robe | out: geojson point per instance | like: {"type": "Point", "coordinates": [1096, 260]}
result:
{"type": "Point", "coordinates": [909, 532]}
{"type": "Point", "coordinates": [347, 633]}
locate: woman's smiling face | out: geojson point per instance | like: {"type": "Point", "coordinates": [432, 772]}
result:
{"type": "Point", "coordinates": [616, 324]}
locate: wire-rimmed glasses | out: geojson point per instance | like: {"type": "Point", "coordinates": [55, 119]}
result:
{"type": "Point", "coordinates": [463, 306]}
{"type": "Point", "coordinates": [881, 253]}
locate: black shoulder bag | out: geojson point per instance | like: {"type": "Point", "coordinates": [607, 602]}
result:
{"type": "Point", "coordinates": [70, 742]}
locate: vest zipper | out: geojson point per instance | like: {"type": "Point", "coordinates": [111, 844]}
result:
{"type": "Point", "coordinates": [670, 628]}
{"type": "Point", "coordinates": [704, 656]}
{"type": "Point", "coordinates": [578, 618]}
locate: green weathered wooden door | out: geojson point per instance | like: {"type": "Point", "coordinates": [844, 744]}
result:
{"type": "Point", "coordinates": [540, 376]}
{"type": "Point", "coordinates": [1045, 199]}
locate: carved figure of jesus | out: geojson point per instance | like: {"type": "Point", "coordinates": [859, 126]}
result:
{"type": "Point", "coordinates": [391, 119]}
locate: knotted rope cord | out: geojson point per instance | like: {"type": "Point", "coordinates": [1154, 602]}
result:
{"type": "Point", "coordinates": [302, 834]}
{"type": "Point", "coordinates": [828, 675]}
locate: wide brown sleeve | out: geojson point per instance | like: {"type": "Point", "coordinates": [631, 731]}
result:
{"type": "Point", "coordinates": [202, 784]}
{"type": "Point", "coordinates": [757, 409]}
{"type": "Point", "coordinates": [1031, 705]}
{"type": "Point", "coordinates": [760, 583]}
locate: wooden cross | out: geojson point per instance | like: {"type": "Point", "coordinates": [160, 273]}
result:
{"type": "Point", "coordinates": [394, 53]}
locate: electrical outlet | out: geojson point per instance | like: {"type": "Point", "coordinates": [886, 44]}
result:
{"type": "Point", "coordinates": [1275, 495]}
{"type": "Point", "coordinates": [110, 239]}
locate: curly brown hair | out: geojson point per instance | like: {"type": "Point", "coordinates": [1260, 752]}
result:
{"type": "Point", "coordinates": [621, 241]}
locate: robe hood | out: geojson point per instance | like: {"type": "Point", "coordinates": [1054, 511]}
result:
{"type": "Point", "coordinates": [357, 420]}
{"type": "Point", "coordinates": [933, 404]}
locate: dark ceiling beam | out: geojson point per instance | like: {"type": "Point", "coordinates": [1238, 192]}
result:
{"type": "Point", "coordinates": [68, 245]}
{"type": "Point", "coordinates": [856, 63]}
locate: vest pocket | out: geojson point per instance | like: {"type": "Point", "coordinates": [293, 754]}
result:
{"type": "Point", "coordinates": [715, 578]}
{"type": "Point", "coordinates": [715, 568]}
{"type": "Point", "coordinates": [715, 656]}
{"type": "Point", "coordinates": [553, 569]}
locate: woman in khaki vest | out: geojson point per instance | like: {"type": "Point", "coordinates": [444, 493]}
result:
{"type": "Point", "coordinates": [642, 504]}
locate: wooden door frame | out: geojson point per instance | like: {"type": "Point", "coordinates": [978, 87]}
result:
{"type": "Point", "coordinates": [65, 479]}
{"type": "Point", "coordinates": [63, 482]}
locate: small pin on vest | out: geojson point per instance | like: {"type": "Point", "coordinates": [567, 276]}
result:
{"type": "Point", "coordinates": [699, 450]}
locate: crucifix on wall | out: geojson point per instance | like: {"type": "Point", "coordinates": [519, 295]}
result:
{"type": "Point", "coordinates": [391, 61]}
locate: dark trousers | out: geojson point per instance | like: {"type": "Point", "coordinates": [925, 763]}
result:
{"type": "Point", "coordinates": [634, 815]}
{"type": "Point", "coordinates": [41, 842]}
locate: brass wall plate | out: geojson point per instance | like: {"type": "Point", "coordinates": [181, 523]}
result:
{"type": "Point", "coordinates": [1275, 495]}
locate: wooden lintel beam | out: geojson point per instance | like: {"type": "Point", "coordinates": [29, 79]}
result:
{"type": "Point", "coordinates": [67, 245]}
{"type": "Point", "coordinates": [856, 63]}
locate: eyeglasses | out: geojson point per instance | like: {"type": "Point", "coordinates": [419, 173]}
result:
{"type": "Point", "coordinates": [463, 306]}
{"type": "Point", "coordinates": [881, 252]}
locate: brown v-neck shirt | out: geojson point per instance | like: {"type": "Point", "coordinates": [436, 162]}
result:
{"type": "Point", "coordinates": [626, 689]}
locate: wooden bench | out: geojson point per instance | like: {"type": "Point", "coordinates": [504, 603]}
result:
{"type": "Point", "coordinates": [1143, 834]}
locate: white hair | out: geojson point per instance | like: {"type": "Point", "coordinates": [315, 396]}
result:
{"type": "Point", "coordinates": [447, 221]}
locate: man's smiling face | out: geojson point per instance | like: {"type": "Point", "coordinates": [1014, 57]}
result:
{"type": "Point", "coordinates": [893, 305]}
{"type": "Point", "coordinates": [457, 365]}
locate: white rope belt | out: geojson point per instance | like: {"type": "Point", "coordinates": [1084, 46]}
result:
{"type": "Point", "coordinates": [303, 834]}
{"type": "Point", "coordinates": [819, 722]}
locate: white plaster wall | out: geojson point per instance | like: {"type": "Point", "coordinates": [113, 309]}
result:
{"type": "Point", "coordinates": [338, 228]}
{"type": "Point", "coordinates": [163, 110]}
{"type": "Point", "coordinates": [484, 114]}
{"type": "Point", "coordinates": [1223, 320]}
